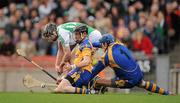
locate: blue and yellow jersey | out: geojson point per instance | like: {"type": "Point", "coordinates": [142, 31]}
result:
{"type": "Point", "coordinates": [85, 49]}
{"type": "Point", "coordinates": [120, 59]}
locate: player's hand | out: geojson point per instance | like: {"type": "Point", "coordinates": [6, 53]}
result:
{"type": "Point", "coordinates": [62, 65]}
{"type": "Point", "coordinates": [58, 81]}
{"type": "Point", "coordinates": [59, 70]}
{"type": "Point", "coordinates": [67, 66]}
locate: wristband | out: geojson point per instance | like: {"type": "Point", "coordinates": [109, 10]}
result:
{"type": "Point", "coordinates": [73, 66]}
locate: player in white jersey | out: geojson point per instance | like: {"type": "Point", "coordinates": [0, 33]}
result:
{"type": "Point", "coordinates": [65, 36]}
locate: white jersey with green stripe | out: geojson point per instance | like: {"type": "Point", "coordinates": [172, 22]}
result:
{"type": "Point", "coordinates": [65, 32]}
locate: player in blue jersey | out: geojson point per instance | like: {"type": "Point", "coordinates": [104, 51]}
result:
{"type": "Point", "coordinates": [127, 72]}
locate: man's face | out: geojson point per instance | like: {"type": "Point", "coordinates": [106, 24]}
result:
{"type": "Point", "coordinates": [78, 37]}
{"type": "Point", "coordinates": [104, 46]}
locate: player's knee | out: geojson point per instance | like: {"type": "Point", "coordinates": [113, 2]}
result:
{"type": "Point", "coordinates": [62, 87]}
{"type": "Point", "coordinates": [59, 89]}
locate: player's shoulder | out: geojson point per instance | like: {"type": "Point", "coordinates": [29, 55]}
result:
{"type": "Point", "coordinates": [117, 45]}
{"type": "Point", "coordinates": [86, 44]}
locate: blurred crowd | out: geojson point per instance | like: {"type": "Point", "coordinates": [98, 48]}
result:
{"type": "Point", "coordinates": [147, 26]}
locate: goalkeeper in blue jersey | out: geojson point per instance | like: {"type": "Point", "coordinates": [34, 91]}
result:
{"type": "Point", "coordinates": [127, 72]}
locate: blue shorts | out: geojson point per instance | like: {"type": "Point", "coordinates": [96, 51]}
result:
{"type": "Point", "coordinates": [78, 77]}
{"type": "Point", "coordinates": [132, 79]}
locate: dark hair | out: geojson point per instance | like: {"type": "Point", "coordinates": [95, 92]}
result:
{"type": "Point", "coordinates": [48, 30]}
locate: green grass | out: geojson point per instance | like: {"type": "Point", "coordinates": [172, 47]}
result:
{"type": "Point", "coordinates": [74, 98]}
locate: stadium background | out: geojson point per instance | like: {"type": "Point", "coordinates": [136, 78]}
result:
{"type": "Point", "coordinates": [149, 28]}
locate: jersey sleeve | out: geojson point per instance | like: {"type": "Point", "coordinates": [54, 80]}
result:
{"type": "Point", "coordinates": [86, 49]}
{"type": "Point", "coordinates": [86, 52]}
{"type": "Point", "coordinates": [64, 39]}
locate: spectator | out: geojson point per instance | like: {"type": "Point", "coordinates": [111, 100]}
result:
{"type": "Point", "coordinates": [63, 7]}
{"type": "Point", "coordinates": [25, 12]}
{"type": "Point", "coordinates": [132, 27]}
{"type": "Point", "coordinates": [90, 21]}
{"type": "Point", "coordinates": [84, 16]}
{"type": "Point", "coordinates": [2, 34]}
{"type": "Point", "coordinates": [26, 44]}
{"type": "Point", "coordinates": [16, 36]}
{"type": "Point", "coordinates": [142, 43]}
{"type": "Point", "coordinates": [101, 21]}
{"type": "Point", "coordinates": [132, 15]}
{"type": "Point", "coordinates": [46, 7]}
{"type": "Point", "coordinates": [121, 30]}
{"type": "Point", "coordinates": [52, 17]}
{"type": "Point", "coordinates": [18, 16]}
{"type": "Point", "coordinates": [12, 25]}
{"type": "Point", "coordinates": [142, 19]}
{"type": "Point", "coordinates": [12, 9]}
{"type": "Point", "coordinates": [120, 7]}
{"type": "Point", "coordinates": [75, 10]}
{"type": "Point", "coordinates": [155, 38]}
{"type": "Point", "coordinates": [114, 14]}
{"type": "Point", "coordinates": [7, 48]}
{"type": "Point", "coordinates": [34, 16]}
{"type": "Point", "coordinates": [35, 4]}
{"type": "Point", "coordinates": [172, 20]}
{"type": "Point", "coordinates": [42, 47]}
{"type": "Point", "coordinates": [161, 29]}
{"type": "Point", "coordinates": [27, 26]}
{"type": "Point", "coordinates": [59, 21]}
{"type": "Point", "coordinates": [92, 6]}
{"type": "Point", "coordinates": [154, 12]}
{"type": "Point", "coordinates": [3, 19]}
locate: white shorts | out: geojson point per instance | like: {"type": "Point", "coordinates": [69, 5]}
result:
{"type": "Point", "coordinates": [95, 36]}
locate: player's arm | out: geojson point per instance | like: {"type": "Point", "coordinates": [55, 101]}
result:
{"type": "Point", "coordinates": [66, 49]}
{"type": "Point", "coordinates": [86, 59]}
{"type": "Point", "coordinates": [86, 52]}
{"type": "Point", "coordinates": [59, 56]}
{"type": "Point", "coordinates": [67, 55]}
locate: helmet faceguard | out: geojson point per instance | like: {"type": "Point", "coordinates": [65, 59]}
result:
{"type": "Point", "coordinates": [82, 30]}
{"type": "Point", "coordinates": [107, 38]}
{"type": "Point", "coordinates": [49, 32]}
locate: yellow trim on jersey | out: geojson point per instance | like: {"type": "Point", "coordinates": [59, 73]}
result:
{"type": "Point", "coordinates": [103, 58]}
{"type": "Point", "coordinates": [112, 63]}
{"type": "Point", "coordinates": [118, 42]}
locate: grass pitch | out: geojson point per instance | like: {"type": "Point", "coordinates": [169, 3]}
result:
{"type": "Point", "coordinates": [75, 98]}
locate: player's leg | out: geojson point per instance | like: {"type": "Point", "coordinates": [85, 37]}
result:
{"type": "Point", "coordinates": [153, 87]}
{"type": "Point", "coordinates": [115, 83]}
{"type": "Point", "coordinates": [66, 87]}
{"type": "Point", "coordinates": [78, 78]}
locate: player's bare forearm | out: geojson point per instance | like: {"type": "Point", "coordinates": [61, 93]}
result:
{"type": "Point", "coordinates": [59, 57]}
{"type": "Point", "coordinates": [86, 60]}
{"type": "Point", "coordinates": [67, 55]}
